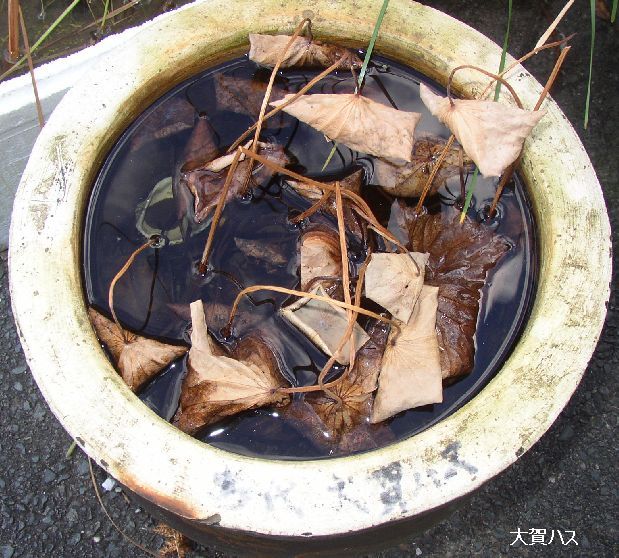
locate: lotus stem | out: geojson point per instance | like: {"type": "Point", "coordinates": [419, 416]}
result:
{"type": "Point", "coordinates": [486, 73]}
{"type": "Point", "coordinates": [267, 97]}
{"type": "Point", "coordinates": [289, 101]}
{"type": "Point", "coordinates": [221, 202]}
{"type": "Point", "coordinates": [151, 242]}
{"type": "Point", "coordinates": [435, 170]}
{"type": "Point", "coordinates": [301, 294]}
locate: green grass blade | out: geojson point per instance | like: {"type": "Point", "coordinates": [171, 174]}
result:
{"type": "Point", "coordinates": [70, 450]}
{"type": "Point", "coordinates": [333, 150]}
{"type": "Point", "coordinates": [44, 36]}
{"type": "Point", "coordinates": [364, 66]}
{"type": "Point", "coordinates": [368, 53]}
{"type": "Point", "coordinates": [588, 100]}
{"type": "Point", "coordinates": [469, 195]}
{"type": "Point", "coordinates": [106, 7]}
{"type": "Point", "coordinates": [497, 92]}
{"type": "Point", "coordinates": [613, 14]}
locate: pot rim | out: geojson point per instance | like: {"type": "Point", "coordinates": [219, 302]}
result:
{"type": "Point", "coordinates": [301, 498]}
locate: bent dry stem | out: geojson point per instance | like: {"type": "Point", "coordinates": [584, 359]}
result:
{"type": "Point", "coordinates": [151, 242]}
{"type": "Point", "coordinates": [509, 172]}
{"type": "Point", "coordinates": [359, 205]}
{"type": "Point", "coordinates": [267, 95]}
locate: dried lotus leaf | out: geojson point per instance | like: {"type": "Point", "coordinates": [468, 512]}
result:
{"type": "Point", "coordinates": [394, 281]}
{"type": "Point", "coordinates": [358, 122]}
{"type": "Point", "coordinates": [492, 134]}
{"type": "Point", "coordinates": [324, 324]}
{"type": "Point", "coordinates": [410, 372]}
{"type": "Point", "coordinates": [244, 96]}
{"type": "Point", "coordinates": [409, 179]}
{"type": "Point", "coordinates": [303, 52]}
{"type": "Point", "coordinates": [460, 257]}
{"type": "Point", "coordinates": [270, 252]}
{"type": "Point", "coordinates": [206, 185]}
{"type": "Point", "coordinates": [201, 147]}
{"type": "Point", "coordinates": [138, 358]}
{"type": "Point", "coordinates": [217, 386]}
{"type": "Point", "coordinates": [169, 118]}
{"type": "Point", "coordinates": [354, 390]}
{"type": "Point", "coordinates": [320, 256]}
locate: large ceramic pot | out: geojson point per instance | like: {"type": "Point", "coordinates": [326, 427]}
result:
{"type": "Point", "coordinates": [277, 507]}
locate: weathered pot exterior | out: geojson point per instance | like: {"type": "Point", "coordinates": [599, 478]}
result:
{"type": "Point", "coordinates": [276, 501]}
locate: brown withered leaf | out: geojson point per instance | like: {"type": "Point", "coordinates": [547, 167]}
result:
{"type": "Point", "coordinates": [358, 122]}
{"type": "Point", "coordinates": [167, 119]}
{"type": "Point", "coordinates": [199, 150]}
{"type": "Point", "coordinates": [409, 179]}
{"type": "Point", "coordinates": [271, 252]}
{"type": "Point", "coordinates": [394, 281]}
{"type": "Point", "coordinates": [323, 324]}
{"type": "Point", "coordinates": [347, 424]}
{"type": "Point", "coordinates": [217, 385]}
{"type": "Point", "coordinates": [138, 358]}
{"type": "Point", "coordinates": [266, 50]}
{"type": "Point", "coordinates": [354, 225]}
{"type": "Point", "coordinates": [410, 372]}
{"type": "Point", "coordinates": [320, 256]}
{"type": "Point", "coordinates": [301, 416]}
{"type": "Point", "coordinates": [206, 185]}
{"type": "Point", "coordinates": [244, 96]}
{"type": "Point", "coordinates": [397, 222]}
{"type": "Point", "coordinates": [201, 146]}
{"type": "Point", "coordinates": [460, 258]}
{"type": "Point", "coordinates": [492, 134]}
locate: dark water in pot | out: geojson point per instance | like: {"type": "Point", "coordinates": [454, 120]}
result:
{"type": "Point", "coordinates": [132, 198]}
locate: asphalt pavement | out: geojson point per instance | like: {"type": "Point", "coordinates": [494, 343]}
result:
{"type": "Point", "coordinates": [565, 484]}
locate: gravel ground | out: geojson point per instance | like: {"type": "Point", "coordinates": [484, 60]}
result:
{"type": "Point", "coordinates": [566, 482]}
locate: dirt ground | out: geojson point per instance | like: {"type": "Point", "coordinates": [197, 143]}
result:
{"type": "Point", "coordinates": [567, 482]}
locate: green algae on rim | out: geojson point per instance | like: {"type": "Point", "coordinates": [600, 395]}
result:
{"type": "Point", "coordinates": [340, 495]}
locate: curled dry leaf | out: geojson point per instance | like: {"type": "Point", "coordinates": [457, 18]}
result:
{"type": "Point", "coordinates": [206, 185]}
{"type": "Point", "coordinates": [409, 179]}
{"type": "Point", "coordinates": [394, 281]}
{"type": "Point", "coordinates": [460, 258]}
{"type": "Point", "coordinates": [201, 146]}
{"type": "Point", "coordinates": [266, 50]}
{"type": "Point", "coordinates": [138, 358]}
{"type": "Point", "coordinates": [320, 256]}
{"type": "Point", "coordinates": [358, 122]}
{"type": "Point", "coordinates": [217, 385]}
{"type": "Point", "coordinates": [199, 149]}
{"type": "Point", "coordinates": [410, 372]}
{"type": "Point", "coordinates": [323, 324]}
{"type": "Point", "coordinates": [492, 134]}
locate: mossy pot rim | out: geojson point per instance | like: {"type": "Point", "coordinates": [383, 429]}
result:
{"type": "Point", "coordinates": [304, 498]}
